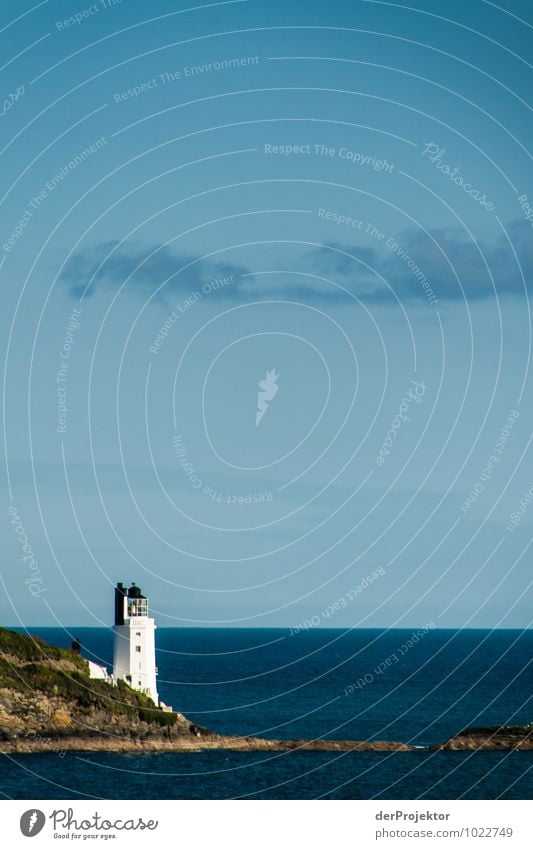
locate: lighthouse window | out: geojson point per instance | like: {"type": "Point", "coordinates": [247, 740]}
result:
{"type": "Point", "coordinates": [137, 633]}
{"type": "Point", "coordinates": [137, 648]}
{"type": "Point", "coordinates": [137, 607]}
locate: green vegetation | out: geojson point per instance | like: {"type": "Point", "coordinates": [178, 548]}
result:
{"type": "Point", "coordinates": [28, 664]}
{"type": "Point", "coordinates": [33, 648]}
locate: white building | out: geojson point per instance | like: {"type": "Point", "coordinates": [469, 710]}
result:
{"type": "Point", "coordinates": [134, 651]}
{"type": "Point", "coordinates": [99, 672]}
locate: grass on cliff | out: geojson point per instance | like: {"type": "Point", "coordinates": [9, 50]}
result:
{"type": "Point", "coordinates": [63, 673]}
{"type": "Point", "coordinates": [33, 648]}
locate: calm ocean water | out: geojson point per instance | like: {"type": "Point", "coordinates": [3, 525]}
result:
{"type": "Point", "coordinates": [268, 683]}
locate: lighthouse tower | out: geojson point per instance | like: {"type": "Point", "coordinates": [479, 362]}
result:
{"type": "Point", "coordinates": [134, 653]}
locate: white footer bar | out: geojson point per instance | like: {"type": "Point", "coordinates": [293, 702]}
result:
{"type": "Point", "coordinates": [267, 824]}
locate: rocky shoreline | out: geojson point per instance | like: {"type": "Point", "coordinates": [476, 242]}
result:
{"type": "Point", "coordinates": [210, 742]}
{"type": "Point", "coordinates": [497, 739]}
{"type": "Point", "coordinates": [48, 703]}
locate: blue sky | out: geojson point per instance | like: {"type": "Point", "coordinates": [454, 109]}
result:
{"type": "Point", "coordinates": [335, 191]}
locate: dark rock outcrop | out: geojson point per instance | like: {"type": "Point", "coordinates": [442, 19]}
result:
{"type": "Point", "coordinates": [519, 737]}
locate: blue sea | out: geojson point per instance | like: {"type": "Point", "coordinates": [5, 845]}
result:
{"type": "Point", "coordinates": [270, 683]}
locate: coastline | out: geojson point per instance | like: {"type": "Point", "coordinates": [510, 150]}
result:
{"type": "Point", "coordinates": [50, 703]}
{"type": "Point", "coordinates": [518, 738]}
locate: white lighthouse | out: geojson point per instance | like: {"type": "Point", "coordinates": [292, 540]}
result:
{"type": "Point", "coordinates": [134, 653]}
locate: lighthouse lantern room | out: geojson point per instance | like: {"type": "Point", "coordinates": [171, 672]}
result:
{"type": "Point", "coordinates": [134, 652]}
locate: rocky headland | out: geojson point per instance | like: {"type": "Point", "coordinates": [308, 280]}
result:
{"type": "Point", "coordinates": [48, 703]}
